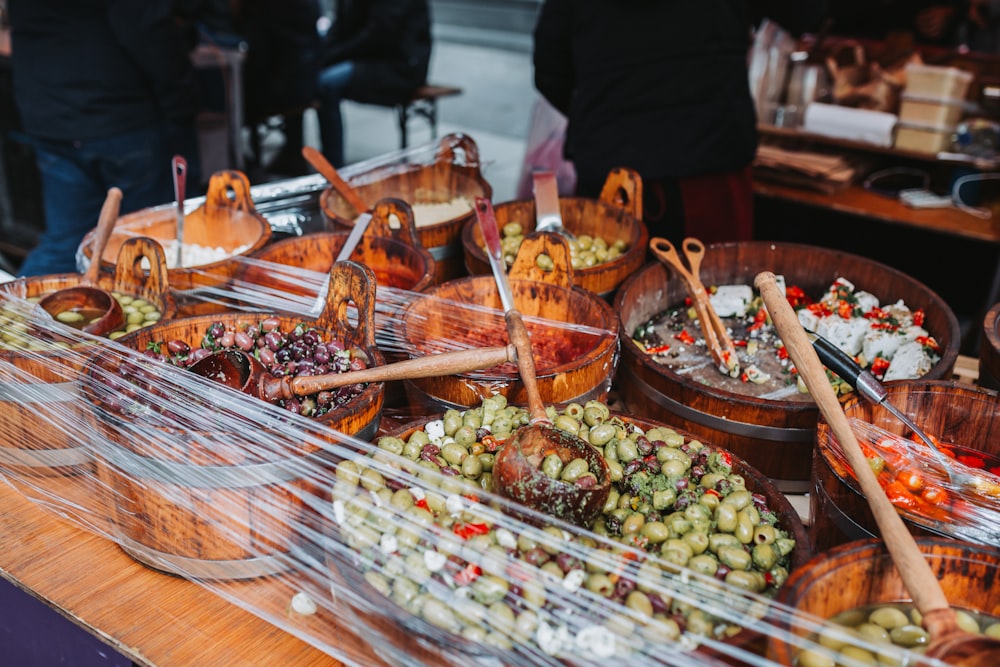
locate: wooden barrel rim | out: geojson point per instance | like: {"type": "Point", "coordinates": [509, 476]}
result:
{"type": "Point", "coordinates": [989, 349]}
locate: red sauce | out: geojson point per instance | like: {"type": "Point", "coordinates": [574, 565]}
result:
{"type": "Point", "coordinates": [550, 347]}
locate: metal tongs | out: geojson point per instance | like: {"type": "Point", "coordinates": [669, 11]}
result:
{"type": "Point", "coordinates": [720, 345]}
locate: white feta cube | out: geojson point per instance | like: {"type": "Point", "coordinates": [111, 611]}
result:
{"type": "Point", "coordinates": [881, 343]}
{"type": "Point", "coordinates": [731, 300]}
{"type": "Point", "coordinates": [912, 332]}
{"type": "Point", "coordinates": [435, 429]}
{"type": "Point", "coordinates": [596, 640]}
{"type": "Point", "coordinates": [808, 319]}
{"type": "Point", "coordinates": [902, 313]}
{"type": "Point", "coordinates": [848, 335]}
{"type": "Point", "coordinates": [910, 361]}
{"type": "Point", "coordinates": [866, 301]}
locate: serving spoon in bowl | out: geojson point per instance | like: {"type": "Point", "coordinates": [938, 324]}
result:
{"type": "Point", "coordinates": [98, 307]}
{"type": "Point", "coordinates": [517, 471]}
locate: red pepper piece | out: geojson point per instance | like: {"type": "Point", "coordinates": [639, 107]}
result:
{"type": "Point", "coordinates": [657, 349]}
{"type": "Point", "coordinates": [468, 574]}
{"type": "Point", "coordinates": [467, 530]}
{"type": "Point", "coordinates": [491, 443]}
{"type": "Point", "coordinates": [739, 343]}
{"type": "Point", "coordinates": [684, 337]}
{"type": "Point", "coordinates": [422, 504]}
{"type": "Point", "coordinates": [899, 496]}
{"type": "Point", "coordinates": [919, 316]}
{"type": "Point", "coordinates": [976, 462]}
{"type": "Point", "coordinates": [879, 366]}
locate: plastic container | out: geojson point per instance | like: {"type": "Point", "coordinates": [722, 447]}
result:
{"type": "Point", "coordinates": [943, 83]}
{"type": "Point", "coordinates": [931, 111]}
{"type": "Point", "coordinates": [923, 138]}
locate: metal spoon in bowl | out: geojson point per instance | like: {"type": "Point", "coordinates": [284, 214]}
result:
{"type": "Point", "coordinates": [88, 297]}
{"type": "Point", "coordinates": [547, 215]}
{"type": "Point", "coordinates": [179, 168]}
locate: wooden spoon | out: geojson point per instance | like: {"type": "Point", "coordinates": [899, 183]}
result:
{"type": "Point", "coordinates": [323, 166]}
{"type": "Point", "coordinates": [948, 642]}
{"type": "Point", "coordinates": [517, 472]}
{"type": "Point", "coordinates": [88, 297]}
{"type": "Point", "coordinates": [241, 370]}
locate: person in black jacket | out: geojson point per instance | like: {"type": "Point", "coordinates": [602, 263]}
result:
{"type": "Point", "coordinates": [662, 87]}
{"type": "Point", "coordinates": [378, 52]}
{"type": "Point", "coordinates": [106, 94]}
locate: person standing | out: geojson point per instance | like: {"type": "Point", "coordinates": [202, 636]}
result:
{"type": "Point", "coordinates": [377, 52]}
{"type": "Point", "coordinates": [661, 87]}
{"type": "Point", "coordinates": [106, 94]}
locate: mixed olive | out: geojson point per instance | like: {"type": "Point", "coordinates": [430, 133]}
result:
{"type": "Point", "coordinates": [878, 628]}
{"type": "Point", "coordinates": [15, 334]}
{"type": "Point", "coordinates": [411, 517]}
{"type": "Point", "coordinates": [585, 252]}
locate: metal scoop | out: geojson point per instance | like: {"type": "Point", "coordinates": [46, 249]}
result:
{"type": "Point", "coordinates": [547, 216]}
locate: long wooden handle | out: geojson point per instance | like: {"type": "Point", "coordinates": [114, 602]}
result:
{"type": "Point", "coordinates": [916, 574]}
{"type": "Point", "coordinates": [518, 334]}
{"type": "Point", "coordinates": [432, 365]}
{"type": "Point", "coordinates": [105, 224]}
{"type": "Point", "coordinates": [323, 166]}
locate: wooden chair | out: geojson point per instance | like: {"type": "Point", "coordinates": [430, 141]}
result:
{"type": "Point", "coordinates": [423, 104]}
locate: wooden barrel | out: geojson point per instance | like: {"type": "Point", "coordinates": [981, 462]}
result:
{"type": "Point", "coordinates": [861, 573]}
{"type": "Point", "coordinates": [581, 325]}
{"type": "Point", "coordinates": [989, 350]}
{"type": "Point", "coordinates": [617, 214]}
{"type": "Point", "coordinates": [194, 503]}
{"type": "Point", "coordinates": [454, 174]}
{"type": "Point", "coordinates": [775, 436]}
{"type": "Point", "coordinates": [227, 219]}
{"type": "Point", "coordinates": [961, 414]}
{"type": "Point", "coordinates": [380, 620]}
{"type": "Point", "coordinates": [40, 410]}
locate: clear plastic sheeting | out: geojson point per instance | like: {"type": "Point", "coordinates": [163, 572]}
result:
{"type": "Point", "coordinates": [397, 547]}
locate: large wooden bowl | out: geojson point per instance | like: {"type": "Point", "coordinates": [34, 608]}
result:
{"type": "Point", "coordinates": [989, 350]}
{"type": "Point", "coordinates": [776, 436]}
{"type": "Point", "coordinates": [960, 414]}
{"type": "Point", "coordinates": [861, 573]}
{"type": "Point", "coordinates": [241, 525]}
{"type": "Point", "coordinates": [617, 214]}
{"type": "Point", "coordinates": [454, 173]}
{"type": "Point", "coordinates": [580, 320]}
{"type": "Point", "coordinates": [227, 219]}
{"type": "Point", "coordinates": [402, 635]}
{"type": "Point", "coordinates": [51, 445]}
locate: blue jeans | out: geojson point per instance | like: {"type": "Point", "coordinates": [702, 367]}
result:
{"type": "Point", "coordinates": [75, 180]}
{"type": "Point", "coordinates": [333, 82]}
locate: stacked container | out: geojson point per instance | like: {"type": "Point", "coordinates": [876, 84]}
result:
{"type": "Point", "coordinates": [933, 104]}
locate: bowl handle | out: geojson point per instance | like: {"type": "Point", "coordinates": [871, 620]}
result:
{"type": "Point", "coordinates": [623, 189]}
{"type": "Point", "coordinates": [131, 278]}
{"type": "Point", "coordinates": [554, 245]}
{"type": "Point", "coordinates": [350, 282]}
{"type": "Point", "coordinates": [463, 143]}
{"type": "Point", "coordinates": [379, 225]}
{"type": "Point", "coordinates": [229, 189]}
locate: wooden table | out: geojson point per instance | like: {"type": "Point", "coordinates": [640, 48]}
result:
{"type": "Point", "coordinates": [155, 618]}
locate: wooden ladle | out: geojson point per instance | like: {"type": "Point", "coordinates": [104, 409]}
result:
{"type": "Point", "coordinates": [323, 166]}
{"type": "Point", "coordinates": [948, 641]}
{"type": "Point", "coordinates": [517, 472]}
{"type": "Point", "coordinates": [87, 297]}
{"type": "Point", "coordinates": [241, 370]}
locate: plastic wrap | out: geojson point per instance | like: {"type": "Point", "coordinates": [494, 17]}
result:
{"type": "Point", "coordinates": [263, 507]}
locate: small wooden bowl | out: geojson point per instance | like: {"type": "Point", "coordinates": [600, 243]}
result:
{"type": "Point", "coordinates": [475, 303]}
{"type": "Point", "coordinates": [617, 214]}
{"type": "Point", "coordinates": [961, 414]}
{"type": "Point", "coordinates": [49, 446]}
{"type": "Point", "coordinates": [861, 573]}
{"type": "Point", "coordinates": [243, 525]}
{"type": "Point", "coordinates": [454, 173]}
{"type": "Point", "coordinates": [227, 219]}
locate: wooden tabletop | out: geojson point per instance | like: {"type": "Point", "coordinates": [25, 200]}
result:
{"type": "Point", "coordinates": [151, 617]}
{"type": "Point", "coordinates": [856, 200]}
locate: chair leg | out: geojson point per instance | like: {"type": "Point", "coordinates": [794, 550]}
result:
{"type": "Point", "coordinates": [402, 113]}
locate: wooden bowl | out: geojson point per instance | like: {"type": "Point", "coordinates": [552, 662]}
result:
{"type": "Point", "coordinates": [586, 347]}
{"type": "Point", "coordinates": [454, 174]}
{"type": "Point", "coordinates": [227, 219]}
{"type": "Point", "coordinates": [381, 621]}
{"type": "Point", "coordinates": [989, 350]}
{"type": "Point", "coordinates": [617, 214]}
{"type": "Point", "coordinates": [776, 436]}
{"type": "Point", "coordinates": [964, 415]}
{"type": "Point", "coordinates": [241, 526]}
{"type": "Point", "coordinates": [862, 573]}
{"type": "Point", "coordinates": [51, 446]}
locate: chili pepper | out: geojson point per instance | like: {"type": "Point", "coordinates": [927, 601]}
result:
{"type": "Point", "coordinates": [684, 337]}
{"type": "Point", "coordinates": [467, 530]}
{"type": "Point", "coordinates": [755, 326]}
{"type": "Point", "coordinates": [422, 504]}
{"type": "Point", "coordinates": [657, 349]}
{"type": "Point", "coordinates": [928, 342]}
{"type": "Point", "coordinates": [879, 366]}
{"type": "Point", "coordinates": [919, 316]}
{"type": "Point", "coordinates": [976, 462]}
{"type": "Point", "coordinates": [468, 574]}
{"type": "Point", "coordinates": [899, 496]}
{"type": "Point", "coordinates": [688, 301]}
{"type": "Point", "coordinates": [877, 313]}
{"type": "Point", "coordinates": [782, 353]}
{"type": "Point", "coordinates": [769, 578]}
{"type": "Point", "coordinates": [739, 343]}
{"type": "Point", "coordinates": [995, 470]}
{"type": "Point", "coordinates": [744, 377]}
{"type": "Point", "coordinates": [712, 492]}
{"type": "Point", "coordinates": [492, 443]}
{"type": "Point", "coordinates": [819, 309]}
{"type": "Point", "coordinates": [845, 310]}
{"type": "Point", "coordinates": [796, 296]}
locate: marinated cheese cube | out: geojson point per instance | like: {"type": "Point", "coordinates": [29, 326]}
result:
{"type": "Point", "coordinates": [866, 301]}
{"type": "Point", "coordinates": [848, 335]}
{"type": "Point", "coordinates": [910, 361]}
{"type": "Point", "coordinates": [731, 300]}
{"type": "Point", "coordinates": [808, 319]}
{"type": "Point", "coordinates": [881, 343]}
